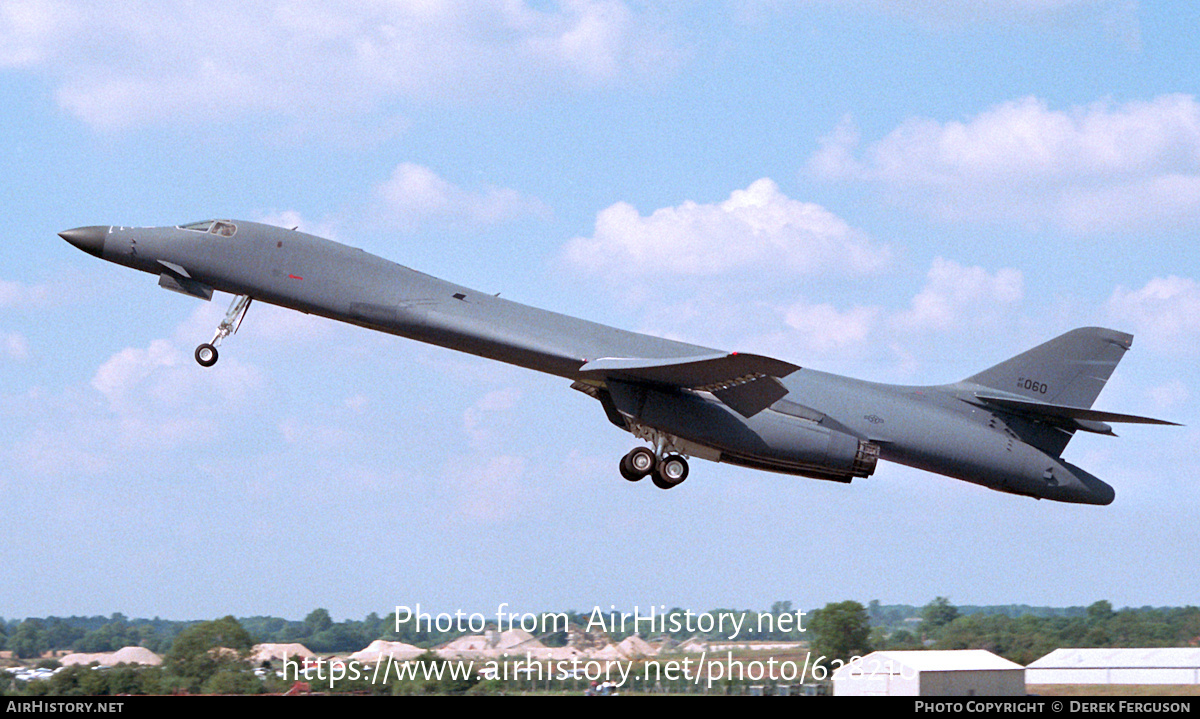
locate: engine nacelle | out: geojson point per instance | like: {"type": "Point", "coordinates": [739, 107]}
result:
{"type": "Point", "coordinates": [769, 440]}
{"type": "Point", "coordinates": [799, 446]}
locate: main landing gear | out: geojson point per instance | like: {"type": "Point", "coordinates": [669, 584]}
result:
{"type": "Point", "coordinates": [206, 354]}
{"type": "Point", "coordinates": [665, 470]}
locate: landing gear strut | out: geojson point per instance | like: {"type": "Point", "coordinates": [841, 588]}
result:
{"type": "Point", "coordinates": [206, 354]}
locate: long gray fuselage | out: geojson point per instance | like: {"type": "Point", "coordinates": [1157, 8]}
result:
{"type": "Point", "coordinates": [932, 428]}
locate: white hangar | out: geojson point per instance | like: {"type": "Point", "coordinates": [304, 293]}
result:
{"type": "Point", "coordinates": [1116, 666]}
{"type": "Point", "coordinates": [967, 672]}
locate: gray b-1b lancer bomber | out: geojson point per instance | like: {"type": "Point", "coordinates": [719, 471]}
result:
{"type": "Point", "coordinates": [1004, 428]}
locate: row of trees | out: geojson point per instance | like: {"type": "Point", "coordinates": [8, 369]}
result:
{"type": "Point", "coordinates": [34, 637]}
{"type": "Point", "coordinates": [1024, 639]}
{"type": "Point", "coordinates": [839, 627]}
{"type": "Point", "coordinates": [213, 658]}
{"type": "Point", "coordinates": [206, 657]}
{"type": "Point", "coordinates": [845, 629]}
{"type": "Point", "coordinates": [210, 657]}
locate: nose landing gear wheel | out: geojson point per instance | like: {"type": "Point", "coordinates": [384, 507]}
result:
{"type": "Point", "coordinates": [206, 355]}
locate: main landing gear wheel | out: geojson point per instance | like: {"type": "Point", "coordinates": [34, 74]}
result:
{"type": "Point", "coordinates": [666, 472]}
{"type": "Point", "coordinates": [206, 355]}
{"type": "Point", "coordinates": [670, 472]}
{"type": "Point", "coordinates": [637, 464]}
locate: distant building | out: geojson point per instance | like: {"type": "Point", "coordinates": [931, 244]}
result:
{"type": "Point", "coordinates": [385, 650]}
{"type": "Point", "coordinates": [1116, 666]}
{"type": "Point", "coordinates": [513, 642]}
{"type": "Point", "coordinates": [126, 655]}
{"type": "Point", "coordinates": [271, 652]}
{"type": "Point", "coordinates": [969, 672]}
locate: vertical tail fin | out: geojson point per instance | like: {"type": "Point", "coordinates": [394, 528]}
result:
{"type": "Point", "coordinates": [1070, 369]}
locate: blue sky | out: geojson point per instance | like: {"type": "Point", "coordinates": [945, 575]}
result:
{"type": "Point", "coordinates": [902, 192]}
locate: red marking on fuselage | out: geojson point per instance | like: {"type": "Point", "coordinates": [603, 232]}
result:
{"type": "Point", "coordinates": [295, 277]}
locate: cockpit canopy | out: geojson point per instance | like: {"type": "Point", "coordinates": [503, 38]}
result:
{"type": "Point", "coordinates": [224, 228]}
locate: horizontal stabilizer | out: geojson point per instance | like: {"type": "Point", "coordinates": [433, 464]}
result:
{"type": "Point", "coordinates": [747, 383]}
{"type": "Point", "coordinates": [1066, 412]}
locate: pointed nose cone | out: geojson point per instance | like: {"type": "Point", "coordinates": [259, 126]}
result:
{"type": "Point", "coordinates": [88, 239]}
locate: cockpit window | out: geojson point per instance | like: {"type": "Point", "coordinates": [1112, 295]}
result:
{"type": "Point", "coordinates": [224, 228]}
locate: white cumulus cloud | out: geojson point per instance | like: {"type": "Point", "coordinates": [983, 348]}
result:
{"type": "Point", "coordinates": [480, 419]}
{"type": "Point", "coordinates": [158, 392]}
{"type": "Point", "coordinates": [1099, 168]}
{"type": "Point", "coordinates": [822, 329]}
{"type": "Point", "coordinates": [1165, 312]}
{"type": "Point", "coordinates": [292, 219]}
{"type": "Point", "coordinates": [116, 65]}
{"type": "Point", "coordinates": [414, 195]}
{"type": "Point", "coordinates": [13, 346]}
{"type": "Point", "coordinates": [20, 295]}
{"type": "Point", "coordinates": [955, 295]}
{"type": "Point", "coordinates": [1116, 19]}
{"type": "Point", "coordinates": [29, 28]}
{"type": "Point", "coordinates": [756, 228]}
{"type": "Point", "coordinates": [488, 490]}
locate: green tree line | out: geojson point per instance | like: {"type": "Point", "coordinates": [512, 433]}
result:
{"type": "Point", "coordinates": [1017, 632]}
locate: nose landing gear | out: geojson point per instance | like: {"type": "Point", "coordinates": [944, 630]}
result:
{"type": "Point", "coordinates": [206, 354]}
